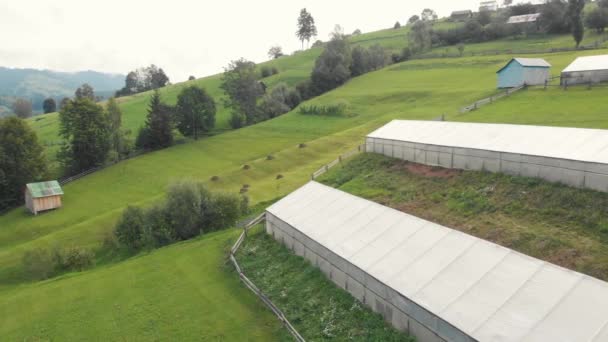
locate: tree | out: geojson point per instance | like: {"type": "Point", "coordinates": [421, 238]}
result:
{"type": "Point", "coordinates": [85, 127]}
{"type": "Point", "coordinates": [484, 17]}
{"type": "Point", "coordinates": [22, 108]}
{"type": "Point", "coordinates": [428, 15]}
{"type": "Point", "coordinates": [115, 123]}
{"type": "Point", "coordinates": [413, 19]}
{"type": "Point", "coordinates": [21, 160]}
{"type": "Point", "coordinates": [575, 9]}
{"type": "Point", "coordinates": [366, 60]}
{"type": "Point", "coordinates": [597, 19]}
{"type": "Point", "coordinates": [64, 101]}
{"type": "Point", "coordinates": [191, 78]}
{"type": "Point", "coordinates": [130, 228]}
{"type": "Point", "coordinates": [195, 112]}
{"type": "Point", "coordinates": [144, 79]}
{"type": "Point", "coordinates": [419, 37]}
{"type": "Point", "coordinates": [49, 105]}
{"type": "Point", "coordinates": [275, 52]}
{"type": "Point", "coordinates": [85, 91]}
{"type": "Point", "coordinates": [156, 77]}
{"type": "Point", "coordinates": [277, 102]}
{"type": "Point", "coordinates": [332, 67]}
{"type": "Point", "coordinates": [397, 25]}
{"type": "Point", "coordinates": [356, 32]}
{"type": "Point", "coordinates": [554, 17]}
{"type": "Point", "coordinates": [158, 130]}
{"type": "Point", "coordinates": [240, 83]}
{"type": "Point", "coordinates": [306, 27]}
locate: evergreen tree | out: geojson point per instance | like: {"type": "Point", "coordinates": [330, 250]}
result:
{"type": "Point", "coordinates": [21, 160]}
{"type": "Point", "coordinates": [159, 125]}
{"type": "Point", "coordinates": [195, 112]}
{"type": "Point", "coordinates": [85, 127]}
{"type": "Point", "coordinates": [575, 10]}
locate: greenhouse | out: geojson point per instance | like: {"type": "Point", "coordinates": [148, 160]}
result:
{"type": "Point", "coordinates": [576, 157]}
{"type": "Point", "coordinates": [437, 283]}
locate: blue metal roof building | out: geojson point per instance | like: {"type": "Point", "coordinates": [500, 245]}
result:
{"type": "Point", "coordinates": [523, 71]}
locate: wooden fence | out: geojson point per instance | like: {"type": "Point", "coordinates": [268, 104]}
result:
{"type": "Point", "coordinates": [490, 99]}
{"type": "Point", "coordinates": [252, 286]}
{"type": "Point", "coordinates": [342, 157]}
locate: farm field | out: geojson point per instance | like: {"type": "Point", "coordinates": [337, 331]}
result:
{"type": "Point", "coordinates": [418, 89]}
{"type": "Point", "coordinates": [556, 223]}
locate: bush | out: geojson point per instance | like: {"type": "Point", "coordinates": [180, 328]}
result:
{"type": "Point", "coordinates": [274, 71]}
{"type": "Point", "coordinates": [39, 264]}
{"type": "Point", "coordinates": [130, 228]}
{"type": "Point", "coordinates": [337, 108]}
{"type": "Point", "coordinates": [265, 71]}
{"type": "Point", "coordinates": [332, 67]}
{"type": "Point", "coordinates": [74, 259]}
{"type": "Point", "coordinates": [189, 210]}
{"type": "Point", "coordinates": [305, 90]}
{"type": "Point", "coordinates": [397, 25]}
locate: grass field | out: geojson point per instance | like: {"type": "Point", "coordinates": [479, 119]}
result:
{"type": "Point", "coordinates": [559, 224]}
{"type": "Point", "coordinates": [176, 293]}
{"type": "Point", "coordinates": [419, 89]}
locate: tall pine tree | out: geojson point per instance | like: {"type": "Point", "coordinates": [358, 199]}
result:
{"type": "Point", "coordinates": [158, 132]}
{"type": "Point", "coordinates": [575, 10]}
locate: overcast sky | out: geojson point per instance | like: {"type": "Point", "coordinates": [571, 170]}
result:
{"type": "Point", "coordinates": [184, 37]}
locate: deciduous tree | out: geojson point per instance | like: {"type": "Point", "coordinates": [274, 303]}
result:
{"type": "Point", "coordinates": [22, 108]}
{"type": "Point", "coordinates": [21, 160]}
{"type": "Point", "coordinates": [240, 83]}
{"type": "Point", "coordinates": [195, 112]}
{"type": "Point", "coordinates": [275, 52]}
{"type": "Point", "coordinates": [49, 105]}
{"type": "Point", "coordinates": [306, 27]}
{"type": "Point", "coordinates": [85, 91]}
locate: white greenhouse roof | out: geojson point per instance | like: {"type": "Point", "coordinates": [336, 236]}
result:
{"type": "Point", "coordinates": [525, 18]}
{"type": "Point", "coordinates": [588, 63]}
{"type": "Point", "coordinates": [581, 144]}
{"type": "Point", "coordinates": [489, 292]}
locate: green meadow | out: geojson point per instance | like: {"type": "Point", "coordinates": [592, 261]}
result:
{"type": "Point", "coordinates": [176, 291]}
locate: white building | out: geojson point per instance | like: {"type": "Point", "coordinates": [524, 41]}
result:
{"type": "Point", "coordinates": [573, 156]}
{"type": "Point", "coordinates": [490, 5]}
{"type": "Point", "coordinates": [586, 70]}
{"type": "Point", "coordinates": [437, 283]}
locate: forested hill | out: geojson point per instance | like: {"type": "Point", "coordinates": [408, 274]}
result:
{"type": "Point", "coordinates": [36, 85]}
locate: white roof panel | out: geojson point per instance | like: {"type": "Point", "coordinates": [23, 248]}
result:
{"type": "Point", "coordinates": [588, 63]}
{"type": "Point", "coordinates": [582, 144]}
{"type": "Point", "coordinates": [487, 291]}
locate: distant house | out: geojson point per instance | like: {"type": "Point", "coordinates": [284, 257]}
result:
{"type": "Point", "coordinates": [43, 196]}
{"type": "Point", "coordinates": [522, 19]}
{"type": "Point", "coordinates": [491, 5]}
{"type": "Point", "coordinates": [523, 71]}
{"type": "Point", "coordinates": [461, 15]}
{"type": "Point", "coordinates": [586, 70]}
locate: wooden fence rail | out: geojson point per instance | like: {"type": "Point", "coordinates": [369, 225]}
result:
{"type": "Point", "coordinates": [250, 285]}
{"type": "Point", "coordinates": [342, 157]}
{"type": "Point", "coordinates": [490, 99]}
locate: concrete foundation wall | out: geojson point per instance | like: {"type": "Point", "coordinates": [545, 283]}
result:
{"type": "Point", "coordinates": [402, 313]}
{"type": "Point", "coordinates": [569, 172]}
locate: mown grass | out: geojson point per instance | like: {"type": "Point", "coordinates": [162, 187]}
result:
{"type": "Point", "coordinates": [556, 223]}
{"type": "Point", "coordinates": [318, 309]}
{"type": "Point", "coordinates": [178, 293]}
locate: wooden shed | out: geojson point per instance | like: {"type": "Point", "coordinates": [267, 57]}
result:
{"type": "Point", "coordinates": [523, 71]}
{"type": "Point", "coordinates": [43, 196]}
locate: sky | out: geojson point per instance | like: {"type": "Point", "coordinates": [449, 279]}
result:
{"type": "Point", "coordinates": [184, 37]}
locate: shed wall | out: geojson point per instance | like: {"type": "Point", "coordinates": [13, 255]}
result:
{"type": "Point", "coordinates": [569, 172]}
{"type": "Point", "coordinates": [584, 77]}
{"type": "Point", "coordinates": [515, 75]}
{"type": "Point", "coordinates": [46, 203]}
{"type": "Point", "coordinates": [404, 314]}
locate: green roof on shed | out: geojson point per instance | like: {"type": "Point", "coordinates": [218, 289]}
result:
{"type": "Point", "coordinates": [45, 189]}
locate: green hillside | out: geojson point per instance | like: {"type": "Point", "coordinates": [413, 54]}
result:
{"type": "Point", "coordinates": [417, 89]}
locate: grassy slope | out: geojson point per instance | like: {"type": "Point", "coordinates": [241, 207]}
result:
{"type": "Point", "coordinates": [556, 223]}
{"type": "Point", "coordinates": [176, 293]}
{"type": "Point", "coordinates": [416, 89]}
{"type": "Point", "coordinates": [318, 309]}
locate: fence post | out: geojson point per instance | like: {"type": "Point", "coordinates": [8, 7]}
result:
{"type": "Point", "coordinates": [546, 84]}
{"type": "Point", "coordinates": [340, 159]}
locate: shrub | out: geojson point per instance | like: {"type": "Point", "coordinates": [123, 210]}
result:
{"type": "Point", "coordinates": [305, 90]}
{"type": "Point", "coordinates": [75, 259]}
{"type": "Point", "coordinates": [265, 72]}
{"type": "Point", "coordinates": [397, 25]}
{"type": "Point", "coordinates": [157, 229]}
{"type": "Point", "coordinates": [222, 211]}
{"type": "Point", "coordinates": [274, 71]}
{"type": "Point", "coordinates": [39, 264]}
{"type": "Point", "coordinates": [183, 205]}
{"type": "Point", "coordinates": [332, 67]}
{"type": "Point", "coordinates": [337, 108]}
{"type": "Point", "coordinates": [130, 227]}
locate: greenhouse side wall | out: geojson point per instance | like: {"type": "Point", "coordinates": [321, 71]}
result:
{"type": "Point", "coordinates": [569, 172]}
{"type": "Point", "coordinates": [402, 313]}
